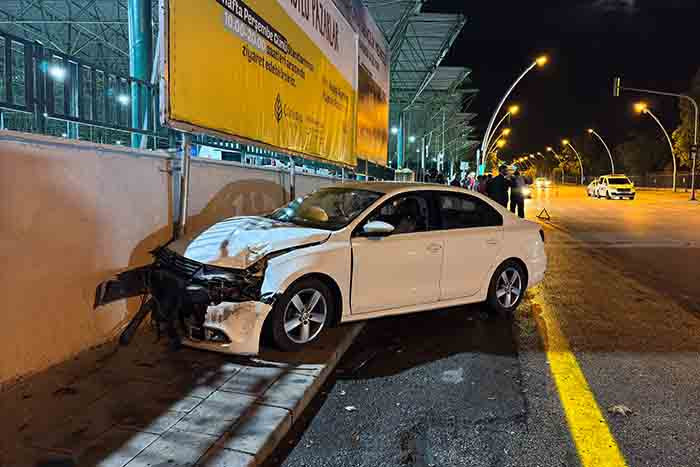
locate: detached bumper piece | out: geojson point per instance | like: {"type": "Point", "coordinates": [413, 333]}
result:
{"type": "Point", "coordinates": [180, 294]}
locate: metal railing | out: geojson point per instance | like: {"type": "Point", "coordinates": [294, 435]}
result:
{"type": "Point", "coordinates": [45, 91]}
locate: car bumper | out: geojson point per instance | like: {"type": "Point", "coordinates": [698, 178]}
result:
{"type": "Point", "coordinates": [537, 267]}
{"type": "Point", "coordinates": [240, 323]}
{"type": "Point", "coordinates": [622, 195]}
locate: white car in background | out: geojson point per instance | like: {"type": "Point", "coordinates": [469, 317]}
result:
{"type": "Point", "coordinates": [542, 182]}
{"type": "Point", "coordinates": [345, 253]}
{"type": "Point", "coordinates": [592, 188]}
{"type": "Point", "coordinates": [615, 187]}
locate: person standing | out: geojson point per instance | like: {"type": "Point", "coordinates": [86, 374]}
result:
{"type": "Point", "coordinates": [517, 198]}
{"type": "Point", "coordinates": [497, 187]}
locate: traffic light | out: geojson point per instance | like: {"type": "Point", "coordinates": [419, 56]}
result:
{"type": "Point", "coordinates": [616, 87]}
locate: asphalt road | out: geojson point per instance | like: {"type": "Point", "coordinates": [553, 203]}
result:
{"type": "Point", "coordinates": [614, 324]}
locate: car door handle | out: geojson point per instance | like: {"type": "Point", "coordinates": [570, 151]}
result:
{"type": "Point", "coordinates": [492, 241]}
{"type": "Point", "coordinates": [434, 247]}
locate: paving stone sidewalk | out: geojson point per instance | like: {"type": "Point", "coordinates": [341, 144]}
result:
{"type": "Point", "coordinates": [145, 405]}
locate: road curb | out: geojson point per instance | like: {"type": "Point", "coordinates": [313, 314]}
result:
{"type": "Point", "coordinates": [282, 428]}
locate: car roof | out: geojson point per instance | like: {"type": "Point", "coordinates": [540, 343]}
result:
{"type": "Point", "coordinates": [390, 187]}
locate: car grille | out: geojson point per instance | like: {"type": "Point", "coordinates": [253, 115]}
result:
{"type": "Point", "coordinates": [623, 190]}
{"type": "Point", "coordinates": [176, 263]}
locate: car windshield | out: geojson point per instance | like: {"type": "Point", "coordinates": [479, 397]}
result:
{"type": "Point", "coordinates": [328, 208]}
{"type": "Point", "coordinates": [618, 181]}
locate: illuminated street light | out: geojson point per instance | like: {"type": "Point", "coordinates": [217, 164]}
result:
{"type": "Point", "coordinates": [612, 162]}
{"type": "Point", "coordinates": [500, 143]}
{"type": "Point", "coordinates": [565, 142]}
{"type": "Point", "coordinates": [539, 62]}
{"type": "Point", "coordinates": [394, 130]}
{"type": "Point", "coordinates": [123, 99]}
{"type": "Point", "coordinates": [411, 139]}
{"type": "Point", "coordinates": [506, 131]}
{"type": "Point", "coordinates": [643, 108]}
{"type": "Point", "coordinates": [57, 72]}
{"type": "Point", "coordinates": [512, 110]}
{"type": "Point", "coordinates": [616, 92]}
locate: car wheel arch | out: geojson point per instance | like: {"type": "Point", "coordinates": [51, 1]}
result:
{"type": "Point", "coordinates": [331, 284]}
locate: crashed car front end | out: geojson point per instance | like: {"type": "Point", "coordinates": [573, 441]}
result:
{"type": "Point", "coordinates": [197, 304]}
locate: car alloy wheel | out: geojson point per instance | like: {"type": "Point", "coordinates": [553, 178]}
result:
{"type": "Point", "coordinates": [305, 316]}
{"type": "Point", "coordinates": [509, 287]}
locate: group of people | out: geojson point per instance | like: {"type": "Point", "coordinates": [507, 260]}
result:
{"type": "Point", "coordinates": [502, 188]}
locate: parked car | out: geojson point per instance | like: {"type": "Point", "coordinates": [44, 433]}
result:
{"type": "Point", "coordinates": [346, 253]}
{"type": "Point", "coordinates": [542, 182]}
{"type": "Point", "coordinates": [592, 187]}
{"type": "Point", "coordinates": [615, 187]}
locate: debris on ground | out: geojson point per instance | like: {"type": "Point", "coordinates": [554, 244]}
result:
{"type": "Point", "coordinates": [350, 408]}
{"type": "Point", "coordinates": [620, 409]}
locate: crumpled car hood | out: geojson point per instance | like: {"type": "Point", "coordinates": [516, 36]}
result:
{"type": "Point", "coordinates": [239, 242]}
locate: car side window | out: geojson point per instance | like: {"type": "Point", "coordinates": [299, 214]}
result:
{"type": "Point", "coordinates": [408, 213]}
{"type": "Point", "coordinates": [464, 211]}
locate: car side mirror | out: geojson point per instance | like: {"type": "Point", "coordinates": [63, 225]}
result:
{"type": "Point", "coordinates": [377, 229]}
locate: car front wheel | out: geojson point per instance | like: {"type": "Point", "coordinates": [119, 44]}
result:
{"type": "Point", "coordinates": [301, 314]}
{"type": "Point", "coordinates": [507, 287]}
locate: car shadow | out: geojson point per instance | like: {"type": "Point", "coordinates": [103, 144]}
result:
{"type": "Point", "coordinates": [389, 346]}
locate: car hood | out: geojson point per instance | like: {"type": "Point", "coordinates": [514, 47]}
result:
{"type": "Point", "coordinates": [239, 242]}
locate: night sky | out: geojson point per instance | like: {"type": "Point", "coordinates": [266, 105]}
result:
{"type": "Point", "coordinates": [650, 43]}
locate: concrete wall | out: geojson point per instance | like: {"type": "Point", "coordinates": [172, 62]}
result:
{"type": "Point", "coordinates": [73, 214]}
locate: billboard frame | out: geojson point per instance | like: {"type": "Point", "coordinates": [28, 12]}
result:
{"type": "Point", "coordinates": [187, 127]}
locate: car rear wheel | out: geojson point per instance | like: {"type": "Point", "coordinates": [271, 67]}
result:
{"type": "Point", "coordinates": [301, 314]}
{"type": "Point", "coordinates": [507, 287]}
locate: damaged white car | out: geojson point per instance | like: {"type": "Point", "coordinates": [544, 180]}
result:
{"type": "Point", "coordinates": [343, 253]}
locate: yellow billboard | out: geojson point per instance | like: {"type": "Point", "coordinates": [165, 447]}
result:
{"type": "Point", "coordinates": [282, 73]}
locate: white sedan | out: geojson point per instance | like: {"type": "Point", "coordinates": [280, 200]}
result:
{"type": "Point", "coordinates": [344, 253]}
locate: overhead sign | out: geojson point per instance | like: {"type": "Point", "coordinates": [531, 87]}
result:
{"type": "Point", "coordinates": [278, 72]}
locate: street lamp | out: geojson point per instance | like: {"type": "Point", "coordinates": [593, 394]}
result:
{"type": "Point", "coordinates": [566, 142]}
{"type": "Point", "coordinates": [551, 149]}
{"type": "Point", "coordinates": [612, 162]}
{"type": "Point", "coordinates": [411, 139]}
{"type": "Point", "coordinates": [394, 130]}
{"type": "Point", "coordinates": [539, 62]}
{"type": "Point", "coordinates": [616, 92]}
{"type": "Point", "coordinates": [512, 111]}
{"type": "Point", "coordinates": [643, 108]}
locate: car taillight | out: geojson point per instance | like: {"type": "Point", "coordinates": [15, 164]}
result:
{"type": "Point", "coordinates": [542, 235]}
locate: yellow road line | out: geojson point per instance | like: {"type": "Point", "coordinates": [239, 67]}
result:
{"type": "Point", "coordinates": [595, 444]}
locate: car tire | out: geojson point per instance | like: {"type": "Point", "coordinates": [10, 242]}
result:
{"type": "Point", "coordinates": [503, 298]}
{"type": "Point", "coordinates": [607, 195]}
{"type": "Point", "coordinates": [301, 314]}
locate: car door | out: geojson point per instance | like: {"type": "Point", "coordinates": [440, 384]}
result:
{"type": "Point", "coordinates": [400, 269]}
{"type": "Point", "coordinates": [473, 237]}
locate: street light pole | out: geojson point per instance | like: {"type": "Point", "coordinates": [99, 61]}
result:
{"type": "Point", "coordinates": [512, 110]}
{"type": "Point", "coordinates": [612, 162]}
{"type": "Point", "coordinates": [568, 143]}
{"type": "Point", "coordinates": [616, 92]}
{"type": "Point", "coordinates": [644, 109]}
{"type": "Point", "coordinates": [541, 61]}
{"type": "Point", "coordinates": [551, 149]}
